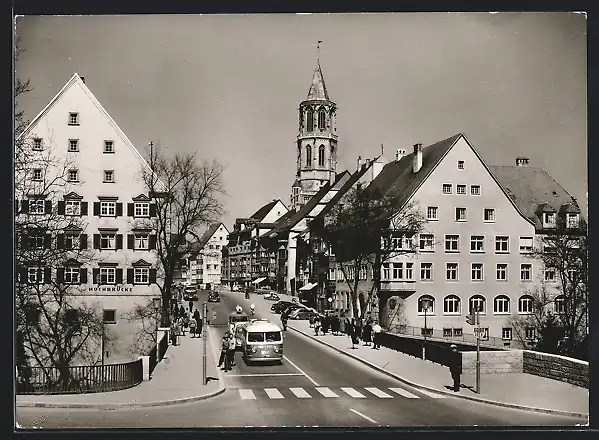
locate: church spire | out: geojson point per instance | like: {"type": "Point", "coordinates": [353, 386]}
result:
{"type": "Point", "coordinates": [318, 90]}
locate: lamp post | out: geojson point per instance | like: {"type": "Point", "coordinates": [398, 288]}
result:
{"type": "Point", "coordinates": [425, 305]}
{"type": "Point", "coordinates": [205, 331]}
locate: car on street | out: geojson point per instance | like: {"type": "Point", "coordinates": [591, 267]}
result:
{"type": "Point", "coordinates": [272, 296]}
{"type": "Point", "coordinates": [279, 306]}
{"type": "Point", "coordinates": [213, 297]}
{"type": "Point", "coordinates": [190, 293]}
{"type": "Point", "coordinates": [302, 313]}
{"type": "Point", "coordinates": [291, 307]}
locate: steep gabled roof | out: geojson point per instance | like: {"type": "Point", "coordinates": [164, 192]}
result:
{"type": "Point", "coordinates": [534, 191]}
{"type": "Point", "coordinates": [205, 237]}
{"type": "Point", "coordinates": [76, 79]}
{"type": "Point", "coordinates": [397, 178]}
{"type": "Point", "coordinates": [262, 212]}
{"type": "Point", "coordinates": [345, 187]}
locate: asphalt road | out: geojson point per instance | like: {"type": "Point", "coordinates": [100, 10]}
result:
{"type": "Point", "coordinates": [314, 386]}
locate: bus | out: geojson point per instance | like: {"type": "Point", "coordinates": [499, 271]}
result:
{"type": "Point", "coordinates": [260, 340]}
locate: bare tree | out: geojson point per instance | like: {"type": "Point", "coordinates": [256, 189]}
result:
{"type": "Point", "coordinates": [560, 302]}
{"type": "Point", "coordinates": [146, 318]}
{"type": "Point", "coordinates": [188, 197]}
{"type": "Point", "coordinates": [365, 230]}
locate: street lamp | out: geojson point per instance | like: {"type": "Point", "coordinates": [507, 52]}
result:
{"type": "Point", "coordinates": [425, 305]}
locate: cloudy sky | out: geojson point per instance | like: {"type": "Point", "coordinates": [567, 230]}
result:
{"type": "Point", "coordinates": [228, 86]}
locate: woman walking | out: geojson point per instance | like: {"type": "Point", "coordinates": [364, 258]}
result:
{"type": "Point", "coordinates": [355, 334]}
{"type": "Point", "coordinates": [198, 322]}
{"type": "Point", "coordinates": [341, 320]}
{"type": "Point", "coordinates": [367, 333]}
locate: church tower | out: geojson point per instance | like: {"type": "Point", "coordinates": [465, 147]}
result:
{"type": "Point", "coordinates": [316, 142]}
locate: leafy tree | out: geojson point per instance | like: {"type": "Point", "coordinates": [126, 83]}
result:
{"type": "Point", "coordinates": [365, 230]}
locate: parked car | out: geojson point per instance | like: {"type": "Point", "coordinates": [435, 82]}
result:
{"type": "Point", "coordinates": [291, 307]}
{"type": "Point", "coordinates": [278, 306]}
{"type": "Point", "coordinates": [272, 296]}
{"type": "Point", "coordinates": [213, 297]}
{"type": "Point", "coordinates": [301, 313]}
{"type": "Point", "coordinates": [190, 294]}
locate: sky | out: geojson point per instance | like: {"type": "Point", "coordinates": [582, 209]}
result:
{"type": "Point", "coordinates": [228, 87]}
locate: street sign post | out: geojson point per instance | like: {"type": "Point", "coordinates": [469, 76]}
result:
{"type": "Point", "coordinates": [477, 332]}
{"type": "Point", "coordinates": [205, 331]}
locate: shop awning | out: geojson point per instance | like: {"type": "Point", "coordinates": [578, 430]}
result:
{"type": "Point", "coordinates": [308, 286]}
{"type": "Point", "coordinates": [259, 280]}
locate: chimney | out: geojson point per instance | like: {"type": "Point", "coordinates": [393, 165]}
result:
{"type": "Point", "coordinates": [83, 79]}
{"type": "Point", "coordinates": [359, 163]}
{"type": "Point", "coordinates": [521, 161]}
{"type": "Point", "coordinates": [417, 160]}
{"type": "Point", "coordinates": [399, 154]}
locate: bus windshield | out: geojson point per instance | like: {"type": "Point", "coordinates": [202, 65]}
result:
{"type": "Point", "coordinates": [264, 337]}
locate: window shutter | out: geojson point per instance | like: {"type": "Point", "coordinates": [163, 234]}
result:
{"type": "Point", "coordinates": [23, 274]}
{"type": "Point", "coordinates": [60, 241]}
{"type": "Point", "coordinates": [152, 209]}
{"type": "Point", "coordinates": [152, 242]}
{"type": "Point", "coordinates": [119, 241]}
{"type": "Point", "coordinates": [96, 275]}
{"type": "Point", "coordinates": [130, 241]}
{"type": "Point", "coordinates": [83, 241]}
{"type": "Point", "coordinates": [130, 210]}
{"type": "Point", "coordinates": [47, 241]}
{"type": "Point", "coordinates": [83, 275]}
{"type": "Point", "coordinates": [17, 204]}
{"type": "Point", "coordinates": [130, 276]}
{"type": "Point", "coordinates": [60, 275]}
{"type": "Point", "coordinates": [152, 276]}
{"type": "Point", "coordinates": [48, 205]}
{"type": "Point", "coordinates": [61, 207]}
{"type": "Point", "coordinates": [96, 208]}
{"type": "Point", "coordinates": [83, 208]}
{"type": "Point", "coordinates": [25, 206]}
{"type": "Point", "coordinates": [119, 209]}
{"type": "Point", "coordinates": [97, 241]}
{"type": "Point", "coordinates": [119, 275]}
{"type": "Point", "coordinates": [47, 274]}
{"type": "Point", "coordinates": [24, 241]}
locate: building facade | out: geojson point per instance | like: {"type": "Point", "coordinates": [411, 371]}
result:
{"type": "Point", "coordinates": [84, 174]}
{"type": "Point", "coordinates": [204, 263]}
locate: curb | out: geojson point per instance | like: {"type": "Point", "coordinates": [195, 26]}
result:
{"type": "Point", "coordinates": [434, 390]}
{"type": "Point", "coordinates": [114, 406]}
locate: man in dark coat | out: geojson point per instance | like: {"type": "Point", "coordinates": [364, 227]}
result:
{"type": "Point", "coordinates": [198, 320]}
{"type": "Point", "coordinates": [455, 367]}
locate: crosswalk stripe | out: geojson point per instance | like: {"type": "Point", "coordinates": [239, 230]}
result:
{"type": "Point", "coordinates": [273, 393]}
{"type": "Point", "coordinates": [353, 393]}
{"type": "Point", "coordinates": [300, 392]}
{"type": "Point", "coordinates": [433, 395]}
{"type": "Point", "coordinates": [247, 394]}
{"type": "Point", "coordinates": [378, 393]}
{"type": "Point", "coordinates": [404, 393]}
{"type": "Point", "coordinates": [326, 392]}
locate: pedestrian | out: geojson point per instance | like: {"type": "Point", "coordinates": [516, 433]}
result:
{"type": "Point", "coordinates": [367, 333]}
{"type": "Point", "coordinates": [326, 323]}
{"type": "Point", "coordinates": [213, 317]}
{"type": "Point", "coordinates": [455, 367]}
{"type": "Point", "coordinates": [181, 311]}
{"type": "Point", "coordinates": [192, 327]}
{"type": "Point", "coordinates": [190, 306]}
{"type": "Point", "coordinates": [230, 359]}
{"type": "Point", "coordinates": [317, 324]}
{"type": "Point", "coordinates": [376, 329]}
{"type": "Point", "coordinates": [311, 320]}
{"type": "Point", "coordinates": [355, 334]}
{"type": "Point", "coordinates": [224, 346]}
{"type": "Point", "coordinates": [342, 323]}
{"type": "Point", "coordinates": [198, 320]}
{"type": "Point", "coordinates": [174, 332]}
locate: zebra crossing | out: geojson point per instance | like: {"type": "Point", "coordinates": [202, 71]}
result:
{"type": "Point", "coordinates": [328, 393]}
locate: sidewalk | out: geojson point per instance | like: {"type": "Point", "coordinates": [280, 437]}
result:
{"type": "Point", "coordinates": [517, 390]}
{"type": "Point", "coordinates": [176, 379]}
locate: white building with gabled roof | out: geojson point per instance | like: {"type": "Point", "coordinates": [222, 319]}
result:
{"type": "Point", "coordinates": [94, 181]}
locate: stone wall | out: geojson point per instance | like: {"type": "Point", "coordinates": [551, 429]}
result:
{"type": "Point", "coordinates": [493, 362]}
{"type": "Point", "coordinates": [572, 371]}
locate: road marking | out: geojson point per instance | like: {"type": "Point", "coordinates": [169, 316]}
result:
{"type": "Point", "coordinates": [378, 393]}
{"type": "Point", "coordinates": [362, 415]}
{"type": "Point", "coordinates": [300, 370]}
{"type": "Point", "coordinates": [353, 393]}
{"type": "Point", "coordinates": [433, 395]}
{"type": "Point", "coordinates": [300, 392]}
{"type": "Point", "coordinates": [326, 392]}
{"type": "Point", "coordinates": [264, 374]}
{"type": "Point", "coordinates": [273, 393]}
{"type": "Point", "coordinates": [247, 394]}
{"type": "Point", "coordinates": [404, 393]}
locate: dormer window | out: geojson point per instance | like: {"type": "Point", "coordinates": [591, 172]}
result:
{"type": "Point", "coordinates": [549, 219]}
{"type": "Point", "coordinates": [571, 220]}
